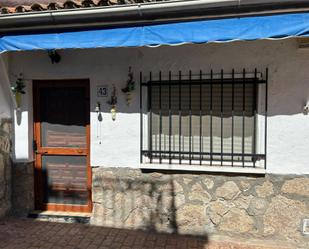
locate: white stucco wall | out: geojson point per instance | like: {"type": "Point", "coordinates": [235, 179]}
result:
{"type": "Point", "coordinates": [23, 127]}
{"type": "Point", "coordinates": [117, 143]}
{"type": "Point", "coordinates": [5, 101]}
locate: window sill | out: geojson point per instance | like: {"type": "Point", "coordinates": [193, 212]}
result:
{"type": "Point", "coordinates": [213, 169]}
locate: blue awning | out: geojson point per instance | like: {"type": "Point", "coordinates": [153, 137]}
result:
{"type": "Point", "coordinates": [219, 30]}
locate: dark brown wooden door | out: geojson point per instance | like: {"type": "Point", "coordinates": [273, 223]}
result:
{"type": "Point", "coordinates": [61, 139]}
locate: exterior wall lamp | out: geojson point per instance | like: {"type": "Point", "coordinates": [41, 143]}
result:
{"type": "Point", "coordinates": [54, 56]}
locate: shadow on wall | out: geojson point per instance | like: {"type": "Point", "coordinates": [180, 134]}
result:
{"type": "Point", "coordinates": [22, 189]}
{"type": "Point", "coordinates": [144, 201]}
{"type": "Point", "coordinates": [5, 167]}
{"type": "Point", "coordinates": [138, 201]}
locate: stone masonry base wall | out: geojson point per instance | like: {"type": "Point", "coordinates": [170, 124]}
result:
{"type": "Point", "coordinates": [269, 207]}
{"type": "Point", "coordinates": [5, 167]}
{"type": "Point", "coordinates": [22, 189]}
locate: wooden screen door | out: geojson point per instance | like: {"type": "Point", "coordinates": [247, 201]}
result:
{"type": "Point", "coordinates": [61, 141]}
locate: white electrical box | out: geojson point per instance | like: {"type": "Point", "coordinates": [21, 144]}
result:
{"type": "Point", "coordinates": [306, 226]}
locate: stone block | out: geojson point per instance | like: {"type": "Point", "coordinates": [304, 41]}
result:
{"type": "Point", "coordinates": [283, 217]}
{"type": "Point", "coordinates": [237, 221]}
{"type": "Point", "coordinates": [297, 186]}
{"type": "Point", "coordinates": [209, 183]}
{"type": "Point", "coordinates": [264, 190]}
{"type": "Point", "coordinates": [172, 202]}
{"type": "Point", "coordinates": [191, 219]}
{"type": "Point", "coordinates": [244, 185]}
{"type": "Point", "coordinates": [217, 209]}
{"type": "Point", "coordinates": [197, 193]}
{"type": "Point", "coordinates": [243, 201]}
{"type": "Point", "coordinates": [228, 191]}
{"type": "Point", "coordinates": [257, 206]}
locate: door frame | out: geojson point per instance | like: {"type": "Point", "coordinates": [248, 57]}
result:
{"type": "Point", "coordinates": [38, 177]}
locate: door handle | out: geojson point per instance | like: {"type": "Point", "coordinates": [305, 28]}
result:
{"type": "Point", "coordinates": [80, 151]}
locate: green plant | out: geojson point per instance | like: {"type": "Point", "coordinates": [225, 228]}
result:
{"type": "Point", "coordinates": [130, 87]}
{"type": "Point", "coordinates": [19, 86]}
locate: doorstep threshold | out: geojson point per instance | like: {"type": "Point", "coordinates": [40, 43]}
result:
{"type": "Point", "coordinates": [61, 217]}
{"type": "Point", "coordinates": [60, 213]}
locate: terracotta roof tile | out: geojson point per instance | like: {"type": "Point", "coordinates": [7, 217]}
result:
{"type": "Point", "coordinates": [53, 6]}
{"type": "Point", "coordinates": [38, 7]}
{"type": "Point", "coordinates": [7, 10]}
{"type": "Point", "coordinates": [89, 3]}
{"type": "Point", "coordinates": [103, 3]}
{"type": "Point", "coordinates": [71, 4]}
{"type": "Point", "coordinates": [20, 6]}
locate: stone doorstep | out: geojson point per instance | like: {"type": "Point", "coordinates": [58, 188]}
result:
{"type": "Point", "coordinates": [226, 245]}
{"type": "Point", "coordinates": [62, 217]}
{"type": "Point", "coordinates": [242, 243]}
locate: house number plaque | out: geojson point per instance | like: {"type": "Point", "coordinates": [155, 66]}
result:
{"type": "Point", "coordinates": [102, 91]}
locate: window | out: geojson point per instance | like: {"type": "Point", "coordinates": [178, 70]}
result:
{"type": "Point", "coordinates": [205, 119]}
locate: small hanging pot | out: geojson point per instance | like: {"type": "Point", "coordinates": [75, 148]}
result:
{"type": "Point", "coordinates": [113, 112]}
{"type": "Point", "coordinates": [18, 97]}
{"type": "Point", "coordinates": [18, 91]}
{"type": "Point", "coordinates": [113, 102]}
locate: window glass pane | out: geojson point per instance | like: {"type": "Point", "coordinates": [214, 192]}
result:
{"type": "Point", "coordinates": [216, 131]}
{"type": "Point", "coordinates": [63, 117]}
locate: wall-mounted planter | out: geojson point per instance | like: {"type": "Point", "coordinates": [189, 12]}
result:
{"type": "Point", "coordinates": [130, 87]}
{"type": "Point", "coordinates": [113, 102]}
{"type": "Point", "coordinates": [18, 98]}
{"type": "Point", "coordinates": [18, 91]}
